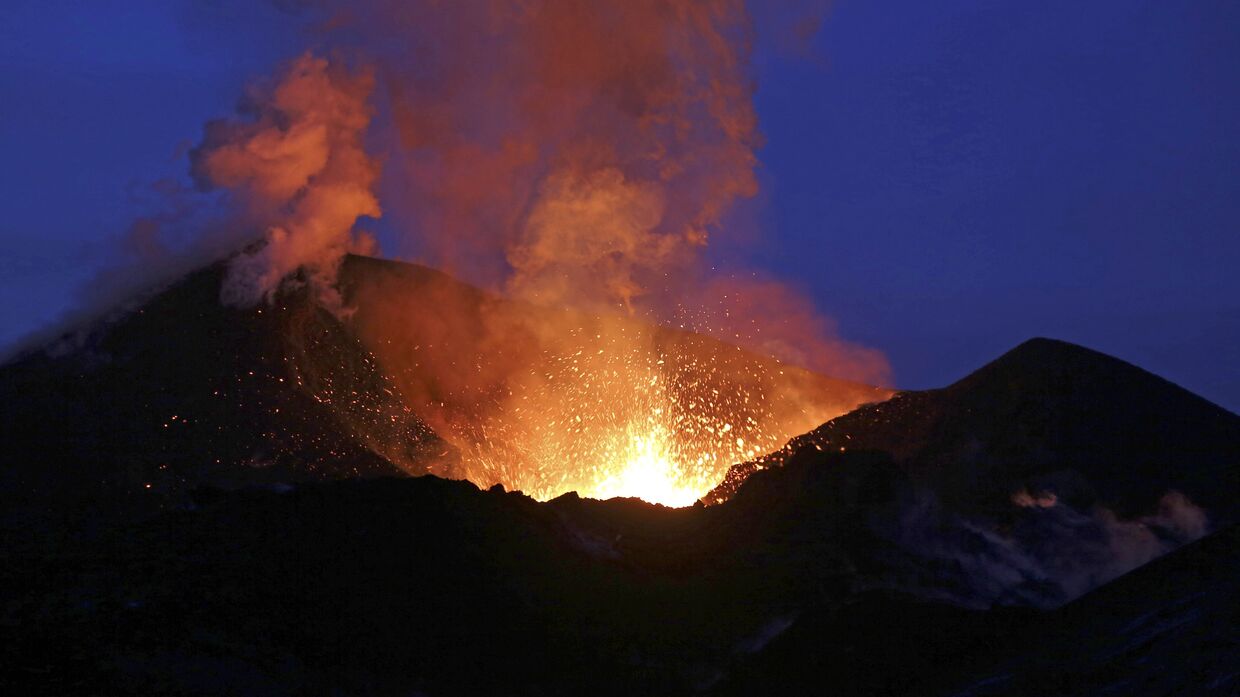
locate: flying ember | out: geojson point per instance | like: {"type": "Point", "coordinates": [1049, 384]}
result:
{"type": "Point", "coordinates": [548, 401]}
{"type": "Point", "coordinates": [613, 413]}
{"type": "Point", "coordinates": [573, 160]}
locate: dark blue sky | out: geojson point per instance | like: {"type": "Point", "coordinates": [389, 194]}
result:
{"type": "Point", "coordinates": [946, 178]}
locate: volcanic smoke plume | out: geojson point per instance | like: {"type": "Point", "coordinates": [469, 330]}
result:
{"type": "Point", "coordinates": [570, 155]}
{"type": "Point", "coordinates": [297, 167]}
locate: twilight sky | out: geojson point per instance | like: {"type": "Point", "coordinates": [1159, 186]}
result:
{"type": "Point", "coordinates": [945, 178]}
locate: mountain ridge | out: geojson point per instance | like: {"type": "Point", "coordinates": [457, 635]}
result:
{"type": "Point", "coordinates": [1046, 415]}
{"type": "Point", "coordinates": [180, 390]}
{"type": "Point", "coordinates": [363, 580]}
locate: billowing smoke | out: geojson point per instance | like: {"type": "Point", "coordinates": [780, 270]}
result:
{"type": "Point", "coordinates": [295, 177]}
{"type": "Point", "coordinates": [296, 165]}
{"type": "Point", "coordinates": [567, 151]}
{"type": "Point", "coordinates": [578, 154]}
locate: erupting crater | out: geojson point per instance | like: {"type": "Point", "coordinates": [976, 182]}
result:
{"type": "Point", "coordinates": [549, 401]}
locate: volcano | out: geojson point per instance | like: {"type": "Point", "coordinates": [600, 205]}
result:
{"type": "Point", "coordinates": [183, 391]}
{"type": "Point", "coordinates": [204, 500]}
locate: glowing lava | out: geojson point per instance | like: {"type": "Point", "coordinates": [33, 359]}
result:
{"type": "Point", "coordinates": [551, 402]}
{"type": "Point", "coordinates": [649, 473]}
{"type": "Point", "coordinates": [611, 415]}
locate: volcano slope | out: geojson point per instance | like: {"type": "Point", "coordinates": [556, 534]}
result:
{"type": "Point", "coordinates": [856, 571]}
{"type": "Point", "coordinates": [181, 391]}
{"type": "Point", "coordinates": [130, 413]}
{"type": "Point", "coordinates": [1048, 416]}
{"type": "Point", "coordinates": [1169, 628]}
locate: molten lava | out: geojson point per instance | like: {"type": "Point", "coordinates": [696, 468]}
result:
{"type": "Point", "coordinates": [649, 472]}
{"type": "Point", "coordinates": [613, 414]}
{"type": "Point", "coordinates": [548, 401]}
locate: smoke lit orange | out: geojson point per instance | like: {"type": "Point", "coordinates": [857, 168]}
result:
{"type": "Point", "coordinates": [575, 159]}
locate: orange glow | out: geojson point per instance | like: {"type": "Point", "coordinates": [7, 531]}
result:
{"type": "Point", "coordinates": [578, 158]}
{"type": "Point", "coordinates": [649, 472]}
{"type": "Point", "coordinates": [549, 401]}
{"type": "Point", "coordinates": [616, 418]}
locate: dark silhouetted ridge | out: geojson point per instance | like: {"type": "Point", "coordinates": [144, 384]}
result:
{"type": "Point", "coordinates": [184, 391]}
{"type": "Point", "coordinates": [1047, 415]}
{"type": "Point", "coordinates": [898, 566]}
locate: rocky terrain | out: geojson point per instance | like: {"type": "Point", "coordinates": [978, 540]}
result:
{"type": "Point", "coordinates": [221, 503]}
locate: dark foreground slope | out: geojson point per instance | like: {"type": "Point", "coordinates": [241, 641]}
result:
{"type": "Point", "coordinates": [1047, 417]}
{"type": "Point", "coordinates": [1172, 627]}
{"type": "Point", "coordinates": [1169, 628]}
{"type": "Point", "coordinates": [429, 586]}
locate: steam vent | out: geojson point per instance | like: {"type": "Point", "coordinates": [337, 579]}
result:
{"type": "Point", "coordinates": [601, 347]}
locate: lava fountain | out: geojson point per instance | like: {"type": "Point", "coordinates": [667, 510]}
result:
{"type": "Point", "coordinates": [548, 401]}
{"type": "Point", "coordinates": [577, 158]}
{"type": "Point", "coordinates": [617, 417]}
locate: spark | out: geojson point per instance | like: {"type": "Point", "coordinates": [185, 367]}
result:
{"type": "Point", "coordinates": [614, 416]}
